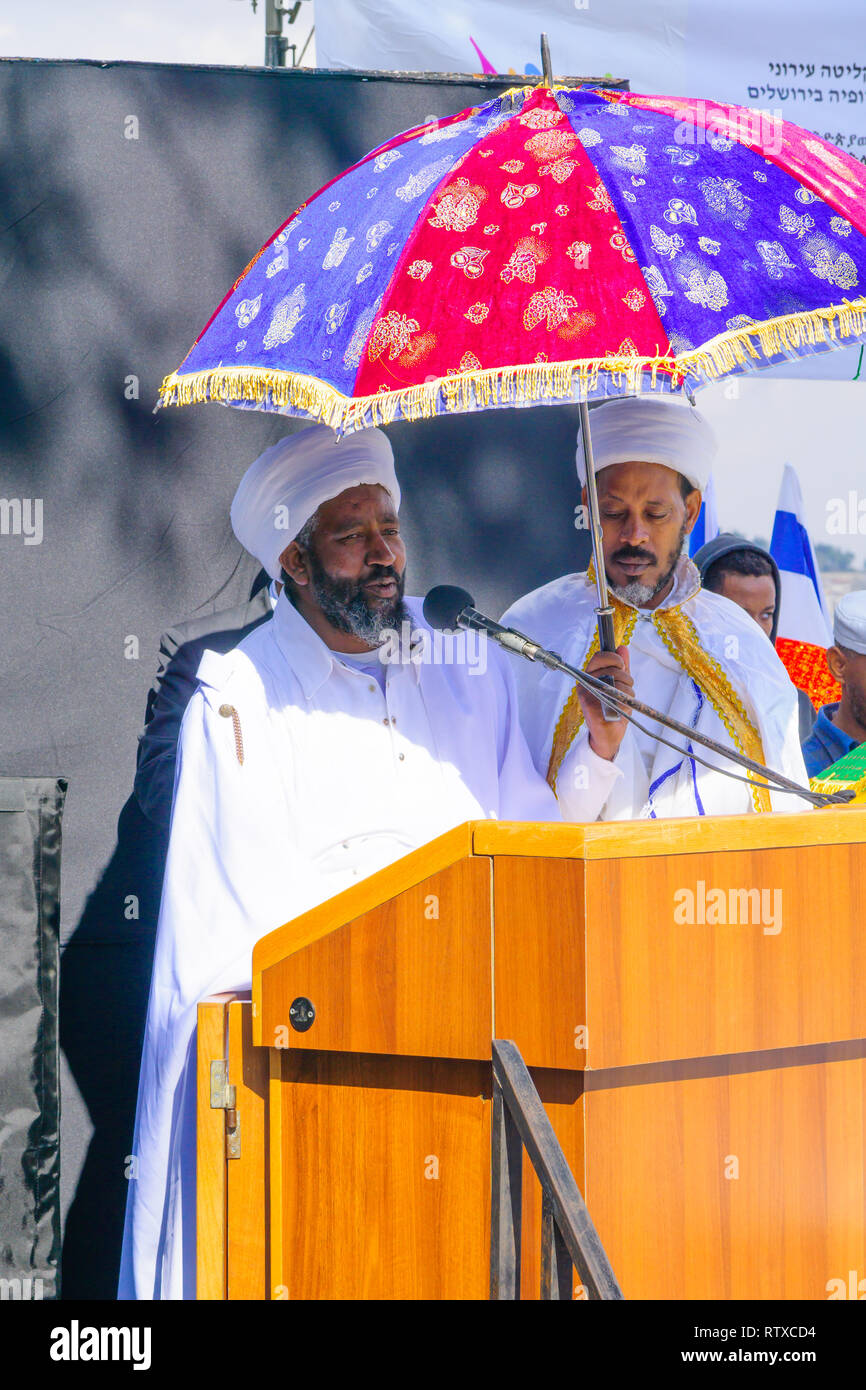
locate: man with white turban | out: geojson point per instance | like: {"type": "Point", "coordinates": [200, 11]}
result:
{"type": "Point", "coordinates": [689, 653]}
{"type": "Point", "coordinates": [841, 726]}
{"type": "Point", "coordinates": [305, 764]}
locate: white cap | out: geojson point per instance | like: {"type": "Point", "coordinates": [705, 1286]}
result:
{"type": "Point", "coordinates": [289, 482]}
{"type": "Point", "coordinates": [650, 429]}
{"type": "Point", "coordinates": [849, 622]}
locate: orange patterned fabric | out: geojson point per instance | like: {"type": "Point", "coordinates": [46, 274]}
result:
{"type": "Point", "coordinates": [808, 669]}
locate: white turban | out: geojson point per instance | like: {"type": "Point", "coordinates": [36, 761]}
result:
{"type": "Point", "coordinates": [849, 622]}
{"type": "Point", "coordinates": [289, 482]}
{"type": "Point", "coordinates": [652, 429]}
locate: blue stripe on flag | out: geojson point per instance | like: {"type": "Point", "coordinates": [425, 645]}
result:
{"type": "Point", "coordinates": [698, 535]}
{"type": "Point", "coordinates": [791, 550]}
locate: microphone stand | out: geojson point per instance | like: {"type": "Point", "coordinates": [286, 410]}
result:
{"type": "Point", "coordinates": [521, 645]}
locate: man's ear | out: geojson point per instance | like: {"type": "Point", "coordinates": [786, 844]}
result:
{"type": "Point", "coordinates": [692, 504]}
{"type": "Point", "coordinates": [837, 663]}
{"type": "Point", "coordinates": [294, 562]}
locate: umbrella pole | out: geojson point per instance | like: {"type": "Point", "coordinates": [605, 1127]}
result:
{"type": "Point", "coordinates": [604, 611]}
{"type": "Point", "coordinates": [546, 67]}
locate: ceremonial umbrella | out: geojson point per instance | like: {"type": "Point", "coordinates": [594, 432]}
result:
{"type": "Point", "coordinates": [555, 244]}
{"type": "Point", "coordinates": [549, 246]}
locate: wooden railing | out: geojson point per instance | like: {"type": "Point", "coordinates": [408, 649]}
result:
{"type": "Point", "coordinates": [569, 1240]}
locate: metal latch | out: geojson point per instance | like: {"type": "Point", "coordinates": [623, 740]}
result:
{"type": "Point", "coordinates": [224, 1097]}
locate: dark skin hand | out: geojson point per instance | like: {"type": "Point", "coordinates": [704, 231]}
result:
{"type": "Point", "coordinates": [604, 737]}
{"type": "Point", "coordinates": [357, 535]}
{"type": "Point", "coordinates": [642, 513]}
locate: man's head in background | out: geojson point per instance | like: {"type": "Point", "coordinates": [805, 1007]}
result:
{"type": "Point", "coordinates": [744, 573]}
{"type": "Point", "coordinates": [321, 513]}
{"type": "Point", "coordinates": [847, 662]}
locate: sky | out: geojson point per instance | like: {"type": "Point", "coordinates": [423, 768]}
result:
{"type": "Point", "coordinates": [818, 426]}
{"type": "Point", "coordinates": [154, 31]}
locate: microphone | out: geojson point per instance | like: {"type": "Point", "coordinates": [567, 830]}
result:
{"type": "Point", "coordinates": [448, 607]}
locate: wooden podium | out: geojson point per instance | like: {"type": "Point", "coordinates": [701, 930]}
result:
{"type": "Point", "coordinates": [690, 998]}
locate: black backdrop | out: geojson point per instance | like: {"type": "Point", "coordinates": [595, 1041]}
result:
{"type": "Point", "coordinates": [114, 252]}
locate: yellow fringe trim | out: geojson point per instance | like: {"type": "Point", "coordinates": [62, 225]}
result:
{"type": "Point", "coordinates": [810, 327]}
{"type": "Point", "coordinates": [680, 636]}
{"type": "Point", "coordinates": [528, 91]}
{"type": "Point", "coordinates": [829, 784]}
{"type": "Point", "coordinates": [530, 384]}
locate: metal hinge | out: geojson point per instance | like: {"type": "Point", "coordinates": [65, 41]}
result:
{"type": "Point", "coordinates": [224, 1097]}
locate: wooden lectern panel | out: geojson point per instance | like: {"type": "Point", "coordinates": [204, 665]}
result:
{"type": "Point", "coordinates": [706, 1078]}
{"type": "Point", "coordinates": [211, 1238]}
{"type": "Point", "coordinates": [413, 976]}
{"type": "Point", "coordinates": [615, 962]}
{"type": "Point", "coordinates": [384, 1189]}
{"type": "Point", "coordinates": [540, 944]}
{"type": "Point", "coordinates": [661, 988]}
{"type": "Point", "coordinates": [247, 1175]}
{"type": "Point", "coordinates": [714, 1186]}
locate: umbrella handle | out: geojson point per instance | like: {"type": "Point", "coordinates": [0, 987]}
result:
{"type": "Point", "coordinates": [604, 612]}
{"type": "Point", "coordinates": [606, 643]}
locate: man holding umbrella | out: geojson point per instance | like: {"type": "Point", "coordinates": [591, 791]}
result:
{"type": "Point", "coordinates": [690, 654]}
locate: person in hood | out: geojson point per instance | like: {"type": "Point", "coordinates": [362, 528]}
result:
{"type": "Point", "coordinates": [749, 576]}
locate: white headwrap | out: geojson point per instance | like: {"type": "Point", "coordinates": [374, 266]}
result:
{"type": "Point", "coordinates": [289, 482]}
{"type": "Point", "coordinates": [849, 621]}
{"type": "Point", "coordinates": [651, 429]}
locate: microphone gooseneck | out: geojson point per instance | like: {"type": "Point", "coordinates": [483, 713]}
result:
{"type": "Point", "coordinates": [448, 607]}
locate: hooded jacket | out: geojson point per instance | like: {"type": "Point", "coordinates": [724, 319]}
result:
{"type": "Point", "coordinates": [725, 544]}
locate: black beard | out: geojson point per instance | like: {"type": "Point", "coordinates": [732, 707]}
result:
{"type": "Point", "coordinates": [345, 605]}
{"type": "Point", "coordinates": [641, 594]}
{"type": "Point", "coordinates": [857, 707]}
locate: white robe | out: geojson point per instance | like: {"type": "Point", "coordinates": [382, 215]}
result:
{"type": "Point", "coordinates": [647, 779]}
{"type": "Point", "coordinates": [338, 779]}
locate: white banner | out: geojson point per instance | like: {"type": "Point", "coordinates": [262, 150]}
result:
{"type": "Point", "coordinates": [804, 63]}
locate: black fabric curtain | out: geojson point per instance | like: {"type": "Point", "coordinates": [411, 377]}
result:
{"type": "Point", "coordinates": [30, 841]}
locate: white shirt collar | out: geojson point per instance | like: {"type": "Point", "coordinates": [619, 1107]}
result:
{"type": "Point", "coordinates": [311, 659]}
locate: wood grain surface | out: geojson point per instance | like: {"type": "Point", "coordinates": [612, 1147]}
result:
{"type": "Point", "coordinates": [211, 1235]}
{"type": "Point", "coordinates": [385, 1177]}
{"type": "Point", "coordinates": [247, 1176]}
{"type": "Point", "coordinates": [411, 977]}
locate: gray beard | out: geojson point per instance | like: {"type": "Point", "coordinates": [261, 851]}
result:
{"type": "Point", "coordinates": [345, 606]}
{"type": "Point", "coordinates": [637, 594]}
